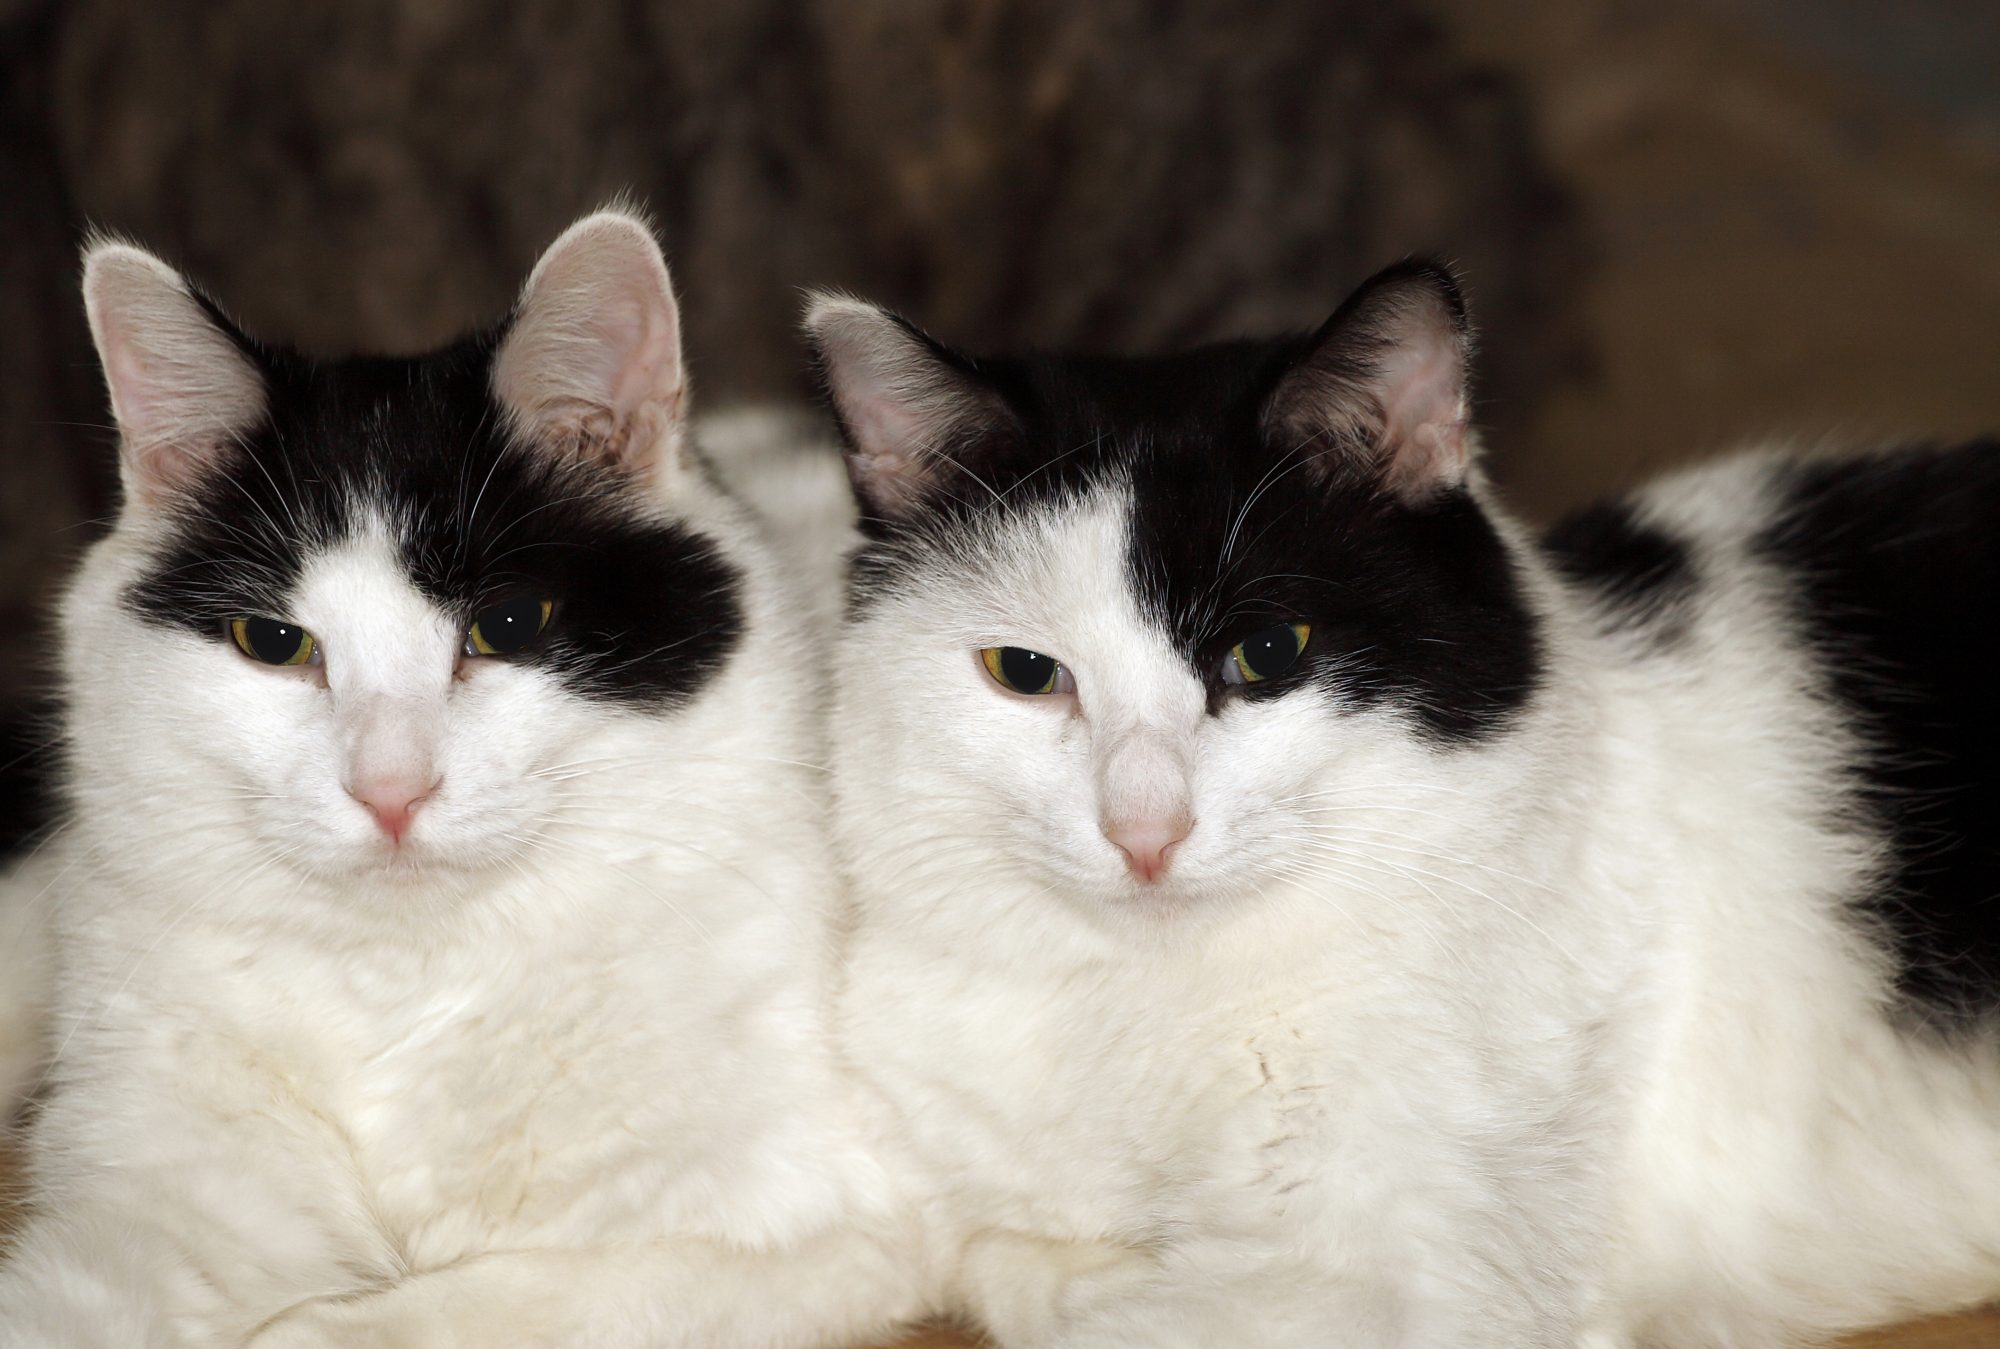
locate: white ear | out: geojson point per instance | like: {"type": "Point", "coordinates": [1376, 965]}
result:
{"type": "Point", "coordinates": [1382, 389]}
{"type": "Point", "coordinates": [904, 405]}
{"type": "Point", "coordinates": [591, 364]}
{"type": "Point", "coordinates": [181, 387]}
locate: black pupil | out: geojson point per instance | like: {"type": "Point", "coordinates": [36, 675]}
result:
{"type": "Point", "coordinates": [272, 642]}
{"type": "Point", "coordinates": [1271, 652]}
{"type": "Point", "coordinates": [511, 626]}
{"type": "Point", "coordinates": [1028, 671]}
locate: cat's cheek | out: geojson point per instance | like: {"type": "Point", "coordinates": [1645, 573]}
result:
{"type": "Point", "coordinates": [517, 754]}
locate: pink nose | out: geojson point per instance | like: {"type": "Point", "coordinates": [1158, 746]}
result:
{"type": "Point", "coordinates": [1148, 845]}
{"type": "Point", "coordinates": [392, 803]}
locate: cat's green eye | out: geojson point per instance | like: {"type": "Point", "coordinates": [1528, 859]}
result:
{"type": "Point", "coordinates": [273, 641]}
{"type": "Point", "coordinates": [1025, 671]}
{"type": "Point", "coordinates": [504, 628]}
{"type": "Point", "coordinates": [1265, 654]}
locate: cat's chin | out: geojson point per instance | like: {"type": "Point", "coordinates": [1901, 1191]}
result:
{"type": "Point", "coordinates": [412, 863]}
{"type": "Point", "coordinates": [1149, 906]}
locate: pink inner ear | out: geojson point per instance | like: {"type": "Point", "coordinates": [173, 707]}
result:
{"type": "Point", "coordinates": [170, 431]}
{"type": "Point", "coordinates": [179, 386]}
{"type": "Point", "coordinates": [152, 409]}
{"type": "Point", "coordinates": [134, 400]}
{"type": "Point", "coordinates": [592, 365]}
{"type": "Point", "coordinates": [1422, 397]}
{"type": "Point", "coordinates": [903, 402]}
{"type": "Point", "coordinates": [167, 466]}
{"type": "Point", "coordinates": [891, 439]}
{"type": "Point", "coordinates": [641, 355]}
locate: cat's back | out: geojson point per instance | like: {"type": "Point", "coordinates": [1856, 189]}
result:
{"type": "Point", "coordinates": [1874, 580]}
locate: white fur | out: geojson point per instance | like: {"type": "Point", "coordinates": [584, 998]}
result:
{"type": "Point", "coordinates": [557, 1074]}
{"type": "Point", "coordinates": [1560, 1040]}
{"type": "Point", "coordinates": [784, 464]}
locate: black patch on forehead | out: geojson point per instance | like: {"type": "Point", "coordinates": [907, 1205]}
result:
{"type": "Point", "coordinates": [1894, 564]}
{"type": "Point", "coordinates": [1641, 577]}
{"type": "Point", "coordinates": [645, 612]}
{"type": "Point", "coordinates": [1415, 605]}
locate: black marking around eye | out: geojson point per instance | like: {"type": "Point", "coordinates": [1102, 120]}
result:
{"type": "Point", "coordinates": [1416, 606]}
{"type": "Point", "coordinates": [1894, 567]}
{"type": "Point", "coordinates": [647, 612]}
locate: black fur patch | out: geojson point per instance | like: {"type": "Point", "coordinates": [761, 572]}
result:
{"type": "Point", "coordinates": [1412, 604]}
{"type": "Point", "coordinates": [645, 613]}
{"type": "Point", "coordinates": [30, 750]}
{"type": "Point", "coordinates": [1896, 560]}
{"type": "Point", "coordinates": [1642, 575]}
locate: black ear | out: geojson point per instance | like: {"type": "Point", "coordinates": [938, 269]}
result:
{"type": "Point", "coordinates": [1380, 392]}
{"type": "Point", "coordinates": [908, 408]}
{"type": "Point", "coordinates": [182, 389]}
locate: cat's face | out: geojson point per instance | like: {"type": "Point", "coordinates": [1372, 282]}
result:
{"type": "Point", "coordinates": [386, 618]}
{"type": "Point", "coordinates": [1154, 633]}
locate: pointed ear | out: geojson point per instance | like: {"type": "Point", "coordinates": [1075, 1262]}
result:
{"type": "Point", "coordinates": [182, 387]}
{"type": "Point", "coordinates": [1381, 390]}
{"type": "Point", "coordinates": [907, 406]}
{"type": "Point", "coordinates": [591, 363]}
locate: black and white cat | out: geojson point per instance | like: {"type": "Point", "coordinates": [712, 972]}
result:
{"type": "Point", "coordinates": [443, 913]}
{"type": "Point", "coordinates": [1296, 905]}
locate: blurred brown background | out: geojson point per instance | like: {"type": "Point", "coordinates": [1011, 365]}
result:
{"type": "Point", "coordinates": [1684, 222]}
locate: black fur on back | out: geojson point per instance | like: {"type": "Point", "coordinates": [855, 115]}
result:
{"type": "Point", "coordinates": [1413, 604]}
{"type": "Point", "coordinates": [1642, 577]}
{"type": "Point", "coordinates": [645, 612]}
{"type": "Point", "coordinates": [1895, 561]}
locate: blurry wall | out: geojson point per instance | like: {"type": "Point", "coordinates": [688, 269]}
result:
{"type": "Point", "coordinates": [1113, 174]}
{"type": "Point", "coordinates": [1795, 208]}
{"type": "Point", "coordinates": [1684, 222]}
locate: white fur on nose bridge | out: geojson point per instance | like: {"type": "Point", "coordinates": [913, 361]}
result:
{"type": "Point", "coordinates": [1070, 592]}
{"type": "Point", "coordinates": [391, 739]}
{"type": "Point", "coordinates": [1142, 774]}
{"type": "Point", "coordinates": [389, 655]}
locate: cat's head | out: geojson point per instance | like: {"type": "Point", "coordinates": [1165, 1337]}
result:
{"type": "Point", "coordinates": [377, 617]}
{"type": "Point", "coordinates": [1152, 632]}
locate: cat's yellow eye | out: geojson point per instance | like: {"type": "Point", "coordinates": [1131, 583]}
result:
{"type": "Point", "coordinates": [1025, 671]}
{"type": "Point", "coordinates": [273, 641]}
{"type": "Point", "coordinates": [504, 628]}
{"type": "Point", "coordinates": [1265, 654]}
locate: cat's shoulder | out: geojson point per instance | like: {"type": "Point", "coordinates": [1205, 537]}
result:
{"type": "Point", "coordinates": [1890, 569]}
{"type": "Point", "coordinates": [1882, 573]}
{"type": "Point", "coordinates": [1815, 522]}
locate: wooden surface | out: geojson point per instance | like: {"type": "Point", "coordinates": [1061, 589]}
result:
{"type": "Point", "coordinates": [1951, 1332]}
{"type": "Point", "coordinates": [1965, 1332]}
{"type": "Point", "coordinates": [1972, 1331]}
